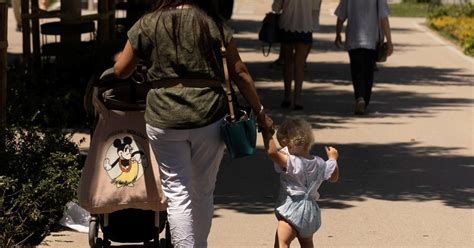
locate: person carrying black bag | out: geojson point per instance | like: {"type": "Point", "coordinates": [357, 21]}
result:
{"type": "Point", "coordinates": [298, 20]}
{"type": "Point", "coordinates": [366, 19]}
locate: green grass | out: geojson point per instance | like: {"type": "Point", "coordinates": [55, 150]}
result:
{"type": "Point", "coordinates": [409, 9]}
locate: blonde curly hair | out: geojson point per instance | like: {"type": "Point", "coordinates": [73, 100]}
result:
{"type": "Point", "coordinates": [295, 131]}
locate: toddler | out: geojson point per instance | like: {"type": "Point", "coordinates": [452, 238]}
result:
{"type": "Point", "coordinates": [301, 174]}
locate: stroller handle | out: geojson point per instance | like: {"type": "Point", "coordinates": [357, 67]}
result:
{"type": "Point", "coordinates": [138, 76]}
{"type": "Point", "coordinates": [108, 75]}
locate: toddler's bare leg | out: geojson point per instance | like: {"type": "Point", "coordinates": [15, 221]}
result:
{"type": "Point", "coordinates": [306, 242]}
{"type": "Point", "coordinates": [284, 234]}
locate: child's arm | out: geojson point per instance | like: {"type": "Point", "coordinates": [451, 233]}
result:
{"type": "Point", "coordinates": [333, 155]}
{"type": "Point", "coordinates": [335, 175]}
{"type": "Point", "coordinates": [280, 158]}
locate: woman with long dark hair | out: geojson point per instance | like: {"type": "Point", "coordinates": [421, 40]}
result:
{"type": "Point", "coordinates": [187, 104]}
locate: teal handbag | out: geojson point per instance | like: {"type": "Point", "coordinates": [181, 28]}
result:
{"type": "Point", "coordinates": [240, 136]}
{"type": "Point", "coordinates": [239, 128]}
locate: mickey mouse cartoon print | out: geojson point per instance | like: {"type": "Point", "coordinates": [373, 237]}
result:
{"type": "Point", "coordinates": [128, 162]}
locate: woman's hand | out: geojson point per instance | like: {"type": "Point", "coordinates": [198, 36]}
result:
{"type": "Point", "coordinates": [338, 40]}
{"type": "Point", "coordinates": [389, 48]}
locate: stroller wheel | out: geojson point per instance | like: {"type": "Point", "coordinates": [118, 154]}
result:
{"type": "Point", "coordinates": [98, 243]}
{"type": "Point", "coordinates": [93, 231]}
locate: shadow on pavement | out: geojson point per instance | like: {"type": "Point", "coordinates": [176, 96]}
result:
{"type": "Point", "coordinates": [403, 172]}
{"type": "Point", "coordinates": [393, 172]}
{"type": "Point", "coordinates": [330, 108]}
{"type": "Point", "coordinates": [340, 73]}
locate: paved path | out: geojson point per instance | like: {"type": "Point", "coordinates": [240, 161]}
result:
{"type": "Point", "coordinates": [407, 168]}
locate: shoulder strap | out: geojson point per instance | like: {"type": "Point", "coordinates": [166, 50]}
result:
{"type": "Point", "coordinates": [378, 22]}
{"type": "Point", "coordinates": [227, 82]}
{"type": "Point", "coordinates": [310, 185]}
{"type": "Point", "coordinates": [268, 50]}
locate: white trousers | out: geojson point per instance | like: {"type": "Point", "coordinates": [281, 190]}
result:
{"type": "Point", "coordinates": [189, 160]}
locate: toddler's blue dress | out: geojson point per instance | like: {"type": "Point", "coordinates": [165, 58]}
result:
{"type": "Point", "coordinates": [302, 211]}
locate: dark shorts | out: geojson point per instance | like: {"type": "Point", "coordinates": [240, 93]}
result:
{"type": "Point", "coordinates": [296, 37]}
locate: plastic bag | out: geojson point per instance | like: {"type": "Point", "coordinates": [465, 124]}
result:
{"type": "Point", "coordinates": [75, 218]}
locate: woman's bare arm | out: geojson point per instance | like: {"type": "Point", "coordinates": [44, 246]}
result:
{"type": "Point", "coordinates": [125, 62]}
{"type": "Point", "coordinates": [240, 75]}
{"type": "Point", "coordinates": [386, 30]}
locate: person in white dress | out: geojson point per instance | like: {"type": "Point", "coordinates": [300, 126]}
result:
{"type": "Point", "coordinates": [301, 174]}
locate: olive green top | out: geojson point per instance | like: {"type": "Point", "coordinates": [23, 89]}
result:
{"type": "Point", "coordinates": [180, 108]}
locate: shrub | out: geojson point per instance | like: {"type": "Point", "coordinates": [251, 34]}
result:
{"type": "Point", "coordinates": [466, 9]}
{"type": "Point", "coordinates": [39, 175]}
{"type": "Point", "coordinates": [459, 27]}
{"type": "Point", "coordinates": [457, 22]}
{"type": "Point", "coordinates": [468, 45]}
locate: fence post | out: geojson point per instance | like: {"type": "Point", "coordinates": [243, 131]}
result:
{"type": "Point", "coordinates": [3, 70]}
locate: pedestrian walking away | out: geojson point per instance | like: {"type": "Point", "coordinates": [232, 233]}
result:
{"type": "Point", "coordinates": [301, 174]}
{"type": "Point", "coordinates": [297, 22]}
{"type": "Point", "coordinates": [365, 22]}
{"type": "Point", "coordinates": [187, 104]}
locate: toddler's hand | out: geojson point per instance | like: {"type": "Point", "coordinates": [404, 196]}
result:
{"type": "Point", "coordinates": [265, 123]}
{"type": "Point", "coordinates": [332, 152]}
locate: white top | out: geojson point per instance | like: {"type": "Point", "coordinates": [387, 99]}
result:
{"type": "Point", "coordinates": [298, 15]}
{"type": "Point", "coordinates": [300, 169]}
{"type": "Point", "coordinates": [362, 29]}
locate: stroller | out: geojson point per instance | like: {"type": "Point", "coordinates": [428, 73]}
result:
{"type": "Point", "coordinates": [120, 184]}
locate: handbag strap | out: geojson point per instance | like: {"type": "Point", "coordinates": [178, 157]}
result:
{"type": "Point", "coordinates": [378, 22]}
{"type": "Point", "coordinates": [227, 82]}
{"type": "Point", "coordinates": [268, 50]}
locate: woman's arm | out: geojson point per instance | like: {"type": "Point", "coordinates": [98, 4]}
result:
{"type": "Point", "coordinates": [125, 62]}
{"type": "Point", "coordinates": [386, 30]}
{"type": "Point", "coordinates": [279, 158]}
{"type": "Point", "coordinates": [241, 76]}
{"type": "Point", "coordinates": [338, 40]}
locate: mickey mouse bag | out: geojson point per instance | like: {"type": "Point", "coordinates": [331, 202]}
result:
{"type": "Point", "coordinates": [120, 170]}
